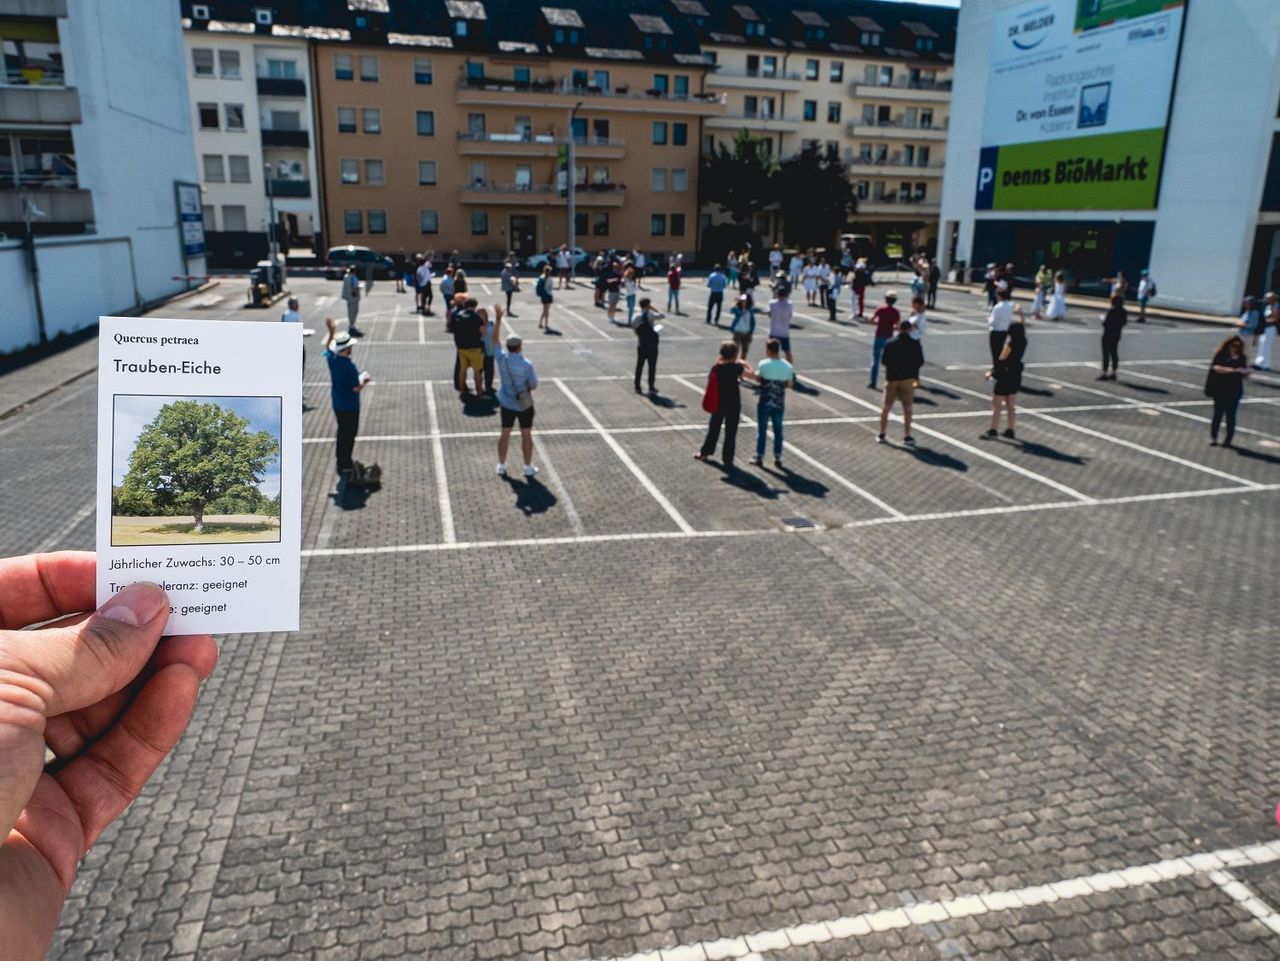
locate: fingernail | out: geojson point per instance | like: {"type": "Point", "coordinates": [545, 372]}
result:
{"type": "Point", "coordinates": [136, 604]}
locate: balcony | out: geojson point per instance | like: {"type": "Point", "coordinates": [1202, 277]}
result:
{"type": "Point", "coordinates": [764, 122]}
{"type": "Point", "coordinates": [281, 87]}
{"type": "Point", "coordinates": [285, 138]}
{"type": "Point", "coordinates": [857, 165]}
{"type": "Point", "coordinates": [289, 188]}
{"type": "Point", "coordinates": [903, 89]}
{"type": "Point", "coordinates": [39, 104]}
{"type": "Point", "coordinates": [900, 206]}
{"type": "Point", "coordinates": [743, 79]}
{"type": "Point", "coordinates": [33, 8]}
{"type": "Point", "coordinates": [897, 129]}
{"type": "Point", "coordinates": [60, 206]}
{"type": "Point", "coordinates": [562, 92]}
{"type": "Point", "coordinates": [528, 144]}
{"type": "Point", "coordinates": [541, 195]}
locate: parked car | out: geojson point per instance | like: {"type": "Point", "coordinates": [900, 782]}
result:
{"type": "Point", "coordinates": [340, 258]}
{"type": "Point", "coordinates": [535, 261]}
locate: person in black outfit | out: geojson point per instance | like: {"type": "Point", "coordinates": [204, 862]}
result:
{"type": "Point", "coordinates": [646, 341]}
{"type": "Point", "coordinates": [468, 338]}
{"type": "Point", "coordinates": [748, 280]}
{"type": "Point", "coordinates": [1113, 322]}
{"type": "Point", "coordinates": [933, 276]}
{"type": "Point", "coordinates": [902, 359]}
{"type": "Point", "coordinates": [727, 370]}
{"type": "Point", "coordinates": [1006, 373]}
{"type": "Point", "coordinates": [1225, 385]}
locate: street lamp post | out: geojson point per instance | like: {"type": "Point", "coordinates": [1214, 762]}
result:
{"type": "Point", "coordinates": [571, 182]}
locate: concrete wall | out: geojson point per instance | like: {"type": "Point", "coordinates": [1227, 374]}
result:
{"type": "Point", "coordinates": [1215, 158]}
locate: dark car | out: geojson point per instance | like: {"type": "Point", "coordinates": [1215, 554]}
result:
{"type": "Point", "coordinates": [340, 258]}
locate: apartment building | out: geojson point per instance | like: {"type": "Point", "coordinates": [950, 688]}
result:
{"type": "Point", "coordinates": [870, 81]}
{"type": "Point", "coordinates": [251, 108]}
{"type": "Point", "coordinates": [91, 156]}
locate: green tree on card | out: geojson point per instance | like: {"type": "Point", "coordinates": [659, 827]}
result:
{"type": "Point", "coordinates": [192, 454]}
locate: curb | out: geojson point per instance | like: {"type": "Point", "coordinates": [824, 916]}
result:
{"type": "Point", "coordinates": [1162, 313]}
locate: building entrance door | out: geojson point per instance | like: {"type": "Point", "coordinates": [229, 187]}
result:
{"type": "Point", "coordinates": [524, 234]}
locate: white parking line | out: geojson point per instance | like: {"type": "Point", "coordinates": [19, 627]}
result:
{"type": "Point", "coordinates": [442, 480]}
{"type": "Point", "coordinates": [967, 448]}
{"type": "Point", "coordinates": [623, 456]}
{"type": "Point", "coordinates": [577, 316]}
{"type": "Point", "coordinates": [53, 540]}
{"type": "Point", "coordinates": [758, 943]}
{"type": "Point", "coordinates": [557, 485]}
{"type": "Point", "coordinates": [815, 463]}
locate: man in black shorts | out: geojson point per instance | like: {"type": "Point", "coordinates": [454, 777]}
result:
{"type": "Point", "coordinates": [518, 381]}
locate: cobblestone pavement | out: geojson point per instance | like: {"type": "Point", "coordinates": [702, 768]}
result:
{"type": "Point", "coordinates": [988, 700]}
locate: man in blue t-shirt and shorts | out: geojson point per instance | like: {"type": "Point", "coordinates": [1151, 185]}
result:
{"type": "Point", "coordinates": [518, 381]}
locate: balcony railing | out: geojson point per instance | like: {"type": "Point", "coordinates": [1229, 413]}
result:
{"type": "Point", "coordinates": [520, 136]}
{"type": "Point", "coordinates": [282, 87]}
{"type": "Point", "coordinates": [757, 74]}
{"type": "Point", "coordinates": [566, 86]}
{"type": "Point", "coordinates": [893, 160]}
{"type": "Point", "coordinates": [905, 83]}
{"type": "Point", "coordinates": [905, 200]}
{"type": "Point", "coordinates": [30, 75]}
{"type": "Point", "coordinates": [543, 189]}
{"type": "Point", "coordinates": [289, 188]}
{"type": "Point", "coordinates": [285, 138]}
{"type": "Point", "coordinates": [855, 127]}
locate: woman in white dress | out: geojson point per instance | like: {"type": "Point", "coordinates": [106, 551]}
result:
{"type": "Point", "coordinates": [810, 283]}
{"type": "Point", "coordinates": [1043, 277]}
{"type": "Point", "coordinates": [1058, 308]}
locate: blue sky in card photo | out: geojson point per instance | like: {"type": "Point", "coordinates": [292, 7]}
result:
{"type": "Point", "coordinates": [133, 412]}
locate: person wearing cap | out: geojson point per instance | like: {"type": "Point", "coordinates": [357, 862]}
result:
{"type": "Point", "coordinates": [886, 319]}
{"type": "Point", "coordinates": [902, 358]}
{"type": "Point", "coordinates": [1146, 290]}
{"type": "Point", "coordinates": [517, 382]}
{"type": "Point", "coordinates": [344, 391]}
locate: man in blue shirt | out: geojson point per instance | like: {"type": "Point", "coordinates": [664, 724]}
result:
{"type": "Point", "coordinates": [775, 376]}
{"type": "Point", "coordinates": [518, 381]}
{"type": "Point", "coordinates": [344, 391]}
{"type": "Point", "coordinates": [716, 283]}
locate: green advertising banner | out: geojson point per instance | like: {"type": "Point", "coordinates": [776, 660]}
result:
{"type": "Point", "coordinates": [1095, 13]}
{"type": "Point", "coordinates": [1116, 171]}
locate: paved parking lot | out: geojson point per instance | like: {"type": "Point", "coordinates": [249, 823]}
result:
{"type": "Point", "coordinates": [975, 699]}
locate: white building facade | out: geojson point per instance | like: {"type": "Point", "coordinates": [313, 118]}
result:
{"type": "Point", "coordinates": [1212, 233]}
{"type": "Point", "coordinates": [251, 107]}
{"type": "Point", "coordinates": [95, 131]}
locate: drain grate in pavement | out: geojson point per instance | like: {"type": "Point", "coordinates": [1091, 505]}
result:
{"type": "Point", "coordinates": [796, 523]}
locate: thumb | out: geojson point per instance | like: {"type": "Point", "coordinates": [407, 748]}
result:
{"type": "Point", "coordinates": [66, 667]}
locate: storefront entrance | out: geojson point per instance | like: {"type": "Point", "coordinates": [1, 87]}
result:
{"type": "Point", "coordinates": [524, 234]}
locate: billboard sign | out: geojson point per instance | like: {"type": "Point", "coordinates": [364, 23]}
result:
{"type": "Point", "coordinates": [190, 219]}
{"type": "Point", "coordinates": [1077, 100]}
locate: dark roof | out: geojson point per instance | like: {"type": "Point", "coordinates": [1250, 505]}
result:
{"type": "Point", "coordinates": [866, 23]}
{"type": "Point", "coordinates": [919, 29]}
{"type": "Point", "coordinates": [810, 19]}
{"type": "Point", "coordinates": [745, 12]}
{"type": "Point", "coordinates": [693, 8]}
{"type": "Point", "coordinates": [562, 17]}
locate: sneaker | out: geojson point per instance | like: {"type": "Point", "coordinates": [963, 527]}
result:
{"type": "Point", "coordinates": [1009, 433]}
{"type": "Point", "coordinates": [757, 462]}
{"type": "Point", "coordinates": [909, 441]}
{"type": "Point", "coordinates": [502, 470]}
{"type": "Point", "coordinates": [880, 439]}
{"type": "Point", "coordinates": [530, 470]}
{"type": "Point", "coordinates": [777, 462]}
{"type": "Point", "coordinates": [355, 331]}
{"type": "Point", "coordinates": [991, 433]}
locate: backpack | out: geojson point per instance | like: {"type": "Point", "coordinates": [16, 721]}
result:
{"type": "Point", "coordinates": [366, 477]}
{"type": "Point", "coordinates": [540, 288]}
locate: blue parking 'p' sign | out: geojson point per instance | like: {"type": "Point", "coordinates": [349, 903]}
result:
{"type": "Point", "coordinates": [987, 160]}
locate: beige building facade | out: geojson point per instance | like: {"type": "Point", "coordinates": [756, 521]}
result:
{"type": "Point", "coordinates": [424, 148]}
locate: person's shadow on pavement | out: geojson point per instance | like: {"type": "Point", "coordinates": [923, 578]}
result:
{"type": "Point", "coordinates": [532, 497]}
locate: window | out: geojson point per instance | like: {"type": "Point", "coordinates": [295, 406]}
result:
{"type": "Point", "coordinates": [811, 69]}
{"type": "Point", "coordinates": [679, 180]}
{"type": "Point", "coordinates": [233, 217]}
{"type": "Point", "coordinates": [926, 118]}
{"type": "Point", "coordinates": [657, 225]}
{"type": "Point", "coordinates": [579, 79]}
{"type": "Point", "coordinates": [886, 76]}
{"type": "Point", "coordinates": [282, 69]}
{"type": "Point", "coordinates": [207, 212]}
{"type": "Point", "coordinates": [371, 119]}
{"type": "Point", "coordinates": [924, 43]}
{"type": "Point", "coordinates": [682, 87]}
{"type": "Point", "coordinates": [762, 225]}
{"type": "Point", "coordinates": [751, 105]}
{"type": "Point", "coordinates": [426, 123]}
{"type": "Point", "coordinates": [811, 110]}
{"type": "Point", "coordinates": [349, 170]}
{"type": "Point", "coordinates": [238, 166]}
{"type": "Point", "coordinates": [234, 114]}
{"type": "Point", "coordinates": [600, 78]}
{"type": "Point", "coordinates": [202, 62]}
{"type": "Point", "coordinates": [475, 125]}
{"type": "Point", "coordinates": [213, 168]}
{"type": "Point", "coordinates": [479, 223]}
{"type": "Point", "coordinates": [521, 75]}
{"type": "Point", "coordinates": [460, 28]}
{"type": "Point", "coordinates": [426, 173]}
{"type": "Point", "coordinates": [346, 120]}
{"type": "Point", "coordinates": [580, 224]}
{"type": "Point", "coordinates": [429, 221]}
{"type": "Point", "coordinates": [833, 111]}
{"type": "Point", "coordinates": [262, 15]}
{"type": "Point", "coordinates": [679, 134]}
{"type": "Point", "coordinates": [922, 157]}
{"type": "Point", "coordinates": [285, 120]}
{"type": "Point", "coordinates": [353, 221]}
{"type": "Point", "coordinates": [658, 179]}
{"type": "Point", "coordinates": [208, 116]}
{"type": "Point", "coordinates": [659, 132]}
{"type": "Point", "coordinates": [477, 172]}
{"type": "Point", "coordinates": [869, 39]}
{"type": "Point", "coordinates": [374, 176]}
{"type": "Point", "coordinates": [563, 36]}
{"type": "Point", "coordinates": [342, 70]}
{"type": "Point", "coordinates": [600, 130]}
{"type": "Point", "coordinates": [837, 71]}
{"type": "Point", "coordinates": [422, 70]}
{"type": "Point", "coordinates": [524, 176]}
{"type": "Point", "coordinates": [769, 66]}
{"type": "Point", "coordinates": [755, 29]}
{"type": "Point", "coordinates": [368, 73]}
{"type": "Point", "coordinates": [229, 64]}
{"type": "Point", "coordinates": [200, 11]}
{"type": "Point", "coordinates": [863, 189]}
{"type": "Point", "coordinates": [600, 175]}
{"type": "Point", "coordinates": [600, 225]}
{"type": "Point", "coordinates": [677, 225]}
{"type": "Point", "coordinates": [377, 221]}
{"type": "Point", "coordinates": [661, 82]}
{"type": "Point", "coordinates": [475, 70]}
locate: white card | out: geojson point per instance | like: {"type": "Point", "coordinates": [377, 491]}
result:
{"type": "Point", "coordinates": [200, 469]}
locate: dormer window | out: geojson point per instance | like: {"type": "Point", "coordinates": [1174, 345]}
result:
{"type": "Point", "coordinates": [200, 11]}
{"type": "Point", "coordinates": [460, 28]}
{"type": "Point", "coordinates": [262, 16]}
{"type": "Point", "coordinates": [924, 43]}
{"type": "Point", "coordinates": [869, 39]}
{"type": "Point", "coordinates": [870, 33]}
{"type": "Point", "coordinates": [566, 37]}
{"type": "Point", "coordinates": [464, 13]}
{"type": "Point", "coordinates": [755, 30]}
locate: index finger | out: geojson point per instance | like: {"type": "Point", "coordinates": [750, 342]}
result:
{"type": "Point", "coordinates": [40, 587]}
